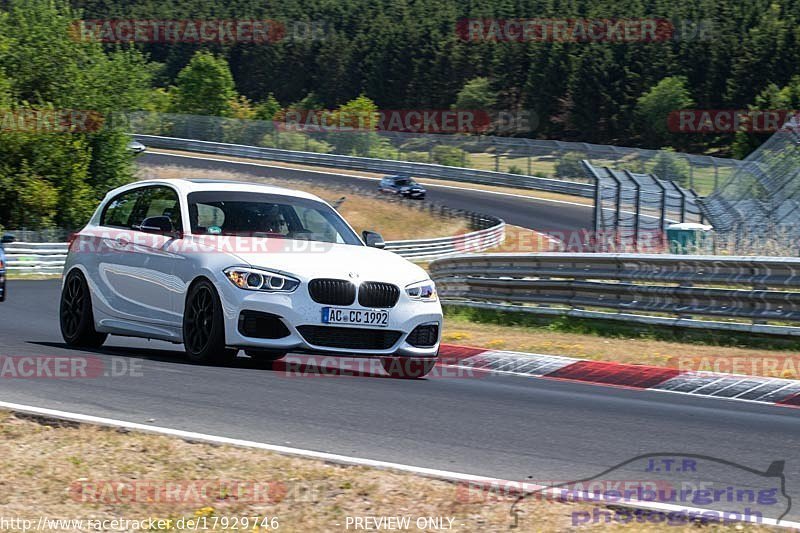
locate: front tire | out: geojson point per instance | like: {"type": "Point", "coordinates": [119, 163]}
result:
{"type": "Point", "coordinates": [75, 313]}
{"type": "Point", "coordinates": [204, 327]}
{"type": "Point", "coordinates": [408, 367]}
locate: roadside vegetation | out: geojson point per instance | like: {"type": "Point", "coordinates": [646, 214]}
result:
{"type": "Point", "coordinates": [721, 54]}
{"type": "Point", "coordinates": [69, 470]}
{"type": "Point", "coordinates": [59, 150]}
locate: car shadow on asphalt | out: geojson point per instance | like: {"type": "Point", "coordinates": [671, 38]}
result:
{"type": "Point", "coordinates": [295, 366]}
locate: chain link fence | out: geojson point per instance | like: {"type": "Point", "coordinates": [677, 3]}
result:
{"type": "Point", "coordinates": [757, 210]}
{"type": "Point", "coordinates": [633, 210]}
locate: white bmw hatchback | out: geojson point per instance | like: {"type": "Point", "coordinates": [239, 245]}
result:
{"type": "Point", "coordinates": [222, 266]}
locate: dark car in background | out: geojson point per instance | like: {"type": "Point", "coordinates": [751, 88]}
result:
{"type": "Point", "coordinates": [402, 185]}
{"type": "Point", "coordinates": [7, 239]}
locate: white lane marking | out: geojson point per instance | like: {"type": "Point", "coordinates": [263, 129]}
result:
{"type": "Point", "coordinates": [754, 388]}
{"type": "Point", "coordinates": [359, 461]}
{"type": "Point", "coordinates": [252, 163]}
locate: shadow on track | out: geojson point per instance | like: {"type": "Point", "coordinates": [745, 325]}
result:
{"type": "Point", "coordinates": [298, 365]}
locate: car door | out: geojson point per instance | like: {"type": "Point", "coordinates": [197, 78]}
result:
{"type": "Point", "coordinates": [138, 269]}
{"type": "Point", "coordinates": [104, 245]}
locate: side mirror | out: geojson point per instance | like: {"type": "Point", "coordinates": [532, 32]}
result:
{"type": "Point", "coordinates": [8, 239]}
{"type": "Point", "coordinates": [373, 239]}
{"type": "Point", "coordinates": [160, 224]}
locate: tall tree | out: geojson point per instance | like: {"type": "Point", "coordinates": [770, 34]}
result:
{"type": "Point", "coordinates": [654, 106]}
{"type": "Point", "coordinates": [205, 87]}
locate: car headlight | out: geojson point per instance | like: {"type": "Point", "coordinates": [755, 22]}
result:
{"type": "Point", "coordinates": [254, 279]}
{"type": "Point", "coordinates": [423, 290]}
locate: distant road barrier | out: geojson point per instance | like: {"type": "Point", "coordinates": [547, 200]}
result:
{"type": "Point", "coordinates": [36, 257]}
{"type": "Point", "coordinates": [383, 166]}
{"type": "Point", "coordinates": [650, 289]}
{"type": "Point", "coordinates": [48, 258]}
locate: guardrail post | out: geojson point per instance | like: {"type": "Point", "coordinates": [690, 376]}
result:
{"type": "Point", "coordinates": [638, 209]}
{"type": "Point", "coordinates": [683, 199]}
{"type": "Point", "coordinates": [663, 215]}
{"type": "Point", "coordinates": [618, 206]}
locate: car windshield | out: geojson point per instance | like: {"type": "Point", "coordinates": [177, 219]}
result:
{"type": "Point", "coordinates": [266, 215]}
{"type": "Point", "coordinates": [404, 182]}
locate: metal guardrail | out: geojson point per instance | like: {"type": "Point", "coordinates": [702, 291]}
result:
{"type": "Point", "coordinates": [426, 249]}
{"type": "Point", "coordinates": [36, 257]}
{"type": "Point", "coordinates": [384, 166]}
{"type": "Point", "coordinates": [48, 258]}
{"type": "Point", "coordinates": [673, 288]}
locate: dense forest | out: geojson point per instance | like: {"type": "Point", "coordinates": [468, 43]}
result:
{"type": "Point", "coordinates": [358, 56]}
{"type": "Point", "coordinates": [408, 54]}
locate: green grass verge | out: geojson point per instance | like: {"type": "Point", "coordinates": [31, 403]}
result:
{"type": "Point", "coordinates": [29, 277]}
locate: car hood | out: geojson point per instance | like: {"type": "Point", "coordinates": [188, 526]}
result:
{"type": "Point", "coordinates": [307, 260]}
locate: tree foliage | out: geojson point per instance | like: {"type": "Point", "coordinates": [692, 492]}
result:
{"type": "Point", "coordinates": [409, 55]}
{"type": "Point", "coordinates": [476, 94]}
{"type": "Point", "coordinates": [205, 87]}
{"type": "Point", "coordinates": [654, 107]}
{"type": "Point", "coordinates": [55, 166]}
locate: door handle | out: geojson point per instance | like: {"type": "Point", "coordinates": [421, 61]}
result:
{"type": "Point", "coordinates": [118, 243]}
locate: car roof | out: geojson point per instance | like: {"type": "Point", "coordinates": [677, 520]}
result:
{"type": "Point", "coordinates": [190, 185]}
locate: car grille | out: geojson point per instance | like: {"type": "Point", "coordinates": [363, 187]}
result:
{"type": "Point", "coordinates": [349, 338]}
{"type": "Point", "coordinates": [332, 291]}
{"type": "Point", "coordinates": [424, 336]}
{"type": "Point", "coordinates": [376, 294]}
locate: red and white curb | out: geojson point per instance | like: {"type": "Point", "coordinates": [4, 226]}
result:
{"type": "Point", "coordinates": [764, 390]}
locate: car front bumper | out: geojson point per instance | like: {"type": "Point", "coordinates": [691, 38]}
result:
{"type": "Point", "coordinates": [298, 309]}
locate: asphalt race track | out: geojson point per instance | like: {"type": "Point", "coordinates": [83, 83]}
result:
{"type": "Point", "coordinates": [496, 426]}
{"type": "Point", "coordinates": [519, 211]}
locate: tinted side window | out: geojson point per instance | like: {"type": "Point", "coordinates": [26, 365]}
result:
{"type": "Point", "coordinates": [156, 202]}
{"type": "Point", "coordinates": [119, 210]}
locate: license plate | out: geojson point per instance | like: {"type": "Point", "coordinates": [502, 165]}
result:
{"type": "Point", "coordinates": [361, 317]}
